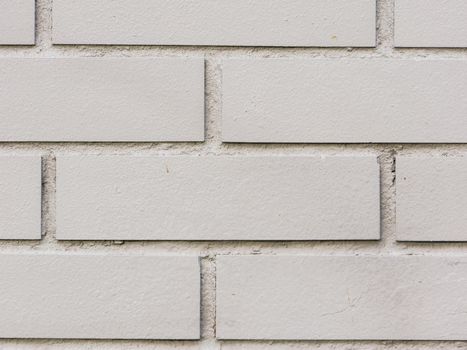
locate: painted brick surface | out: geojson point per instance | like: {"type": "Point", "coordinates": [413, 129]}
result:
{"type": "Point", "coordinates": [99, 296]}
{"type": "Point", "coordinates": [17, 22]}
{"type": "Point", "coordinates": [319, 143]}
{"type": "Point", "coordinates": [432, 198]}
{"type": "Point", "coordinates": [341, 297]}
{"type": "Point", "coordinates": [217, 198]}
{"type": "Point", "coordinates": [430, 23]}
{"type": "Point", "coordinates": [20, 197]}
{"type": "Point", "coordinates": [222, 22]}
{"type": "Point", "coordinates": [102, 99]}
{"type": "Point", "coordinates": [346, 100]}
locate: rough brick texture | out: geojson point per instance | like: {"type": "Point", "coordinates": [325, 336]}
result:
{"type": "Point", "coordinates": [222, 22]}
{"type": "Point", "coordinates": [430, 23]}
{"type": "Point", "coordinates": [99, 99]}
{"type": "Point", "coordinates": [414, 298]}
{"type": "Point", "coordinates": [355, 100]}
{"type": "Point", "coordinates": [431, 200]}
{"type": "Point", "coordinates": [20, 197]}
{"type": "Point", "coordinates": [17, 20]}
{"type": "Point", "coordinates": [99, 296]}
{"type": "Point", "coordinates": [217, 198]}
{"type": "Point", "coordinates": [233, 174]}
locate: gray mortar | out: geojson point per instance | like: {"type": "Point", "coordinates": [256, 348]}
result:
{"type": "Point", "coordinates": [213, 146]}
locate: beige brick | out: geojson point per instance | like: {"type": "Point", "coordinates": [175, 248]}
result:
{"type": "Point", "coordinates": [217, 198]}
{"type": "Point", "coordinates": [20, 197]}
{"type": "Point", "coordinates": [431, 198]}
{"type": "Point", "coordinates": [221, 22]}
{"type": "Point", "coordinates": [341, 297]}
{"type": "Point", "coordinates": [344, 100]}
{"type": "Point", "coordinates": [99, 296]}
{"type": "Point", "coordinates": [17, 21]}
{"type": "Point", "coordinates": [102, 99]}
{"type": "Point", "coordinates": [430, 23]}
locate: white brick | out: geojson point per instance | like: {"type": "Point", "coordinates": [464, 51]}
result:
{"type": "Point", "coordinates": [344, 100]}
{"type": "Point", "coordinates": [221, 22]}
{"type": "Point", "coordinates": [20, 197]}
{"type": "Point", "coordinates": [431, 199]}
{"type": "Point", "coordinates": [217, 198]}
{"type": "Point", "coordinates": [17, 21]}
{"type": "Point", "coordinates": [102, 99]}
{"type": "Point", "coordinates": [99, 296]}
{"type": "Point", "coordinates": [430, 23]}
{"type": "Point", "coordinates": [304, 297]}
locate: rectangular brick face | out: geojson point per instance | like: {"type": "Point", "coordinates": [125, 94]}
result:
{"type": "Point", "coordinates": [431, 199]}
{"type": "Point", "coordinates": [344, 100]}
{"type": "Point", "coordinates": [20, 197]}
{"type": "Point", "coordinates": [217, 198]}
{"type": "Point", "coordinates": [430, 23]}
{"type": "Point", "coordinates": [99, 296]}
{"type": "Point", "coordinates": [102, 99]}
{"type": "Point", "coordinates": [17, 22]}
{"type": "Point", "coordinates": [222, 22]}
{"type": "Point", "coordinates": [341, 297]}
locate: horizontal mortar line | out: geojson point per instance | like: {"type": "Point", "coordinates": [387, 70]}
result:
{"type": "Point", "coordinates": [250, 48]}
{"type": "Point", "coordinates": [233, 52]}
{"type": "Point", "coordinates": [184, 344]}
{"type": "Point", "coordinates": [433, 249]}
{"type": "Point", "coordinates": [187, 48]}
{"type": "Point", "coordinates": [379, 152]}
{"type": "Point", "coordinates": [209, 247]}
{"type": "Point", "coordinates": [174, 145]}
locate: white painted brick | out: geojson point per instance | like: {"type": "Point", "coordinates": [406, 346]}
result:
{"type": "Point", "coordinates": [217, 198]}
{"type": "Point", "coordinates": [341, 297]}
{"type": "Point", "coordinates": [344, 100]}
{"type": "Point", "coordinates": [430, 23]}
{"type": "Point", "coordinates": [17, 21]}
{"type": "Point", "coordinates": [20, 197]}
{"type": "Point", "coordinates": [99, 296]}
{"type": "Point", "coordinates": [431, 199]}
{"type": "Point", "coordinates": [220, 22]}
{"type": "Point", "coordinates": [102, 99]}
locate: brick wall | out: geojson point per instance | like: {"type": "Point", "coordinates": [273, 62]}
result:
{"type": "Point", "coordinates": [233, 175]}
